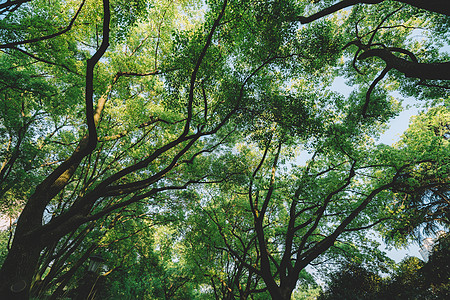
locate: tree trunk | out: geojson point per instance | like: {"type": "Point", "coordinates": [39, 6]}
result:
{"type": "Point", "coordinates": [281, 293]}
{"type": "Point", "coordinates": [18, 269]}
{"type": "Point", "coordinates": [17, 272]}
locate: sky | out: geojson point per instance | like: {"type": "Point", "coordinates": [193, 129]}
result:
{"type": "Point", "coordinates": [4, 222]}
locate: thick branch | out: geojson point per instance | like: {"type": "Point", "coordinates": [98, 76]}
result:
{"type": "Point", "coordinates": [334, 8]}
{"type": "Point", "coordinates": [436, 71]}
{"type": "Point", "coordinates": [370, 90]}
{"type": "Point", "coordinates": [8, 4]}
{"type": "Point", "coordinates": [266, 270]}
{"type": "Point", "coordinates": [90, 77]}
{"type": "Point", "coordinates": [438, 6]}
{"type": "Point", "coordinates": [58, 179]}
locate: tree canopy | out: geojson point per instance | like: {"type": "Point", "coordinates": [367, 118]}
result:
{"type": "Point", "coordinates": [410, 279]}
{"type": "Point", "coordinates": [201, 147]}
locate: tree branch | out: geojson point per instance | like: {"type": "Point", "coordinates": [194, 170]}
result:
{"type": "Point", "coordinates": [42, 38]}
{"type": "Point", "coordinates": [438, 6]}
{"type": "Point", "coordinates": [437, 71]}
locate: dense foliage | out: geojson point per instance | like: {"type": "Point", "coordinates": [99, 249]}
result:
{"type": "Point", "coordinates": [201, 147]}
{"type": "Point", "coordinates": [411, 279]}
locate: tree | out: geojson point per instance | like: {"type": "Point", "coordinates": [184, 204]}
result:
{"type": "Point", "coordinates": [118, 158]}
{"type": "Point", "coordinates": [408, 68]}
{"type": "Point", "coordinates": [352, 282]}
{"type": "Point", "coordinates": [227, 277]}
{"type": "Point", "coordinates": [379, 37]}
{"type": "Point", "coordinates": [410, 279]}
{"type": "Point", "coordinates": [148, 269]}
{"type": "Point", "coordinates": [293, 219]}
{"type": "Point", "coordinates": [126, 240]}
{"type": "Point", "coordinates": [434, 6]}
{"type": "Point", "coordinates": [78, 189]}
{"type": "Point", "coordinates": [437, 270]}
{"type": "Point", "coordinates": [407, 281]}
{"type": "Point", "coordinates": [421, 201]}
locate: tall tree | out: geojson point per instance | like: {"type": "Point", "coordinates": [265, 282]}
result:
{"type": "Point", "coordinates": [115, 160]}
{"type": "Point", "coordinates": [292, 219]}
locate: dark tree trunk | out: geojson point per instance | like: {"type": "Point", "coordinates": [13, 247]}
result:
{"type": "Point", "coordinates": [439, 6]}
{"type": "Point", "coordinates": [17, 272]}
{"type": "Point", "coordinates": [18, 269]}
{"type": "Point", "coordinates": [281, 293]}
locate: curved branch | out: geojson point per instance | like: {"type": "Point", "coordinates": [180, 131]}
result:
{"type": "Point", "coordinates": [44, 60]}
{"type": "Point", "coordinates": [366, 227]}
{"type": "Point", "coordinates": [46, 37]}
{"type": "Point", "coordinates": [197, 67]}
{"type": "Point", "coordinates": [436, 71]}
{"type": "Point", "coordinates": [334, 8]}
{"type": "Point", "coordinates": [431, 85]}
{"type": "Point", "coordinates": [92, 142]}
{"type": "Point", "coordinates": [411, 55]}
{"type": "Point", "coordinates": [371, 88]}
{"type": "Point", "coordinates": [381, 23]}
{"type": "Point", "coordinates": [59, 178]}
{"type": "Point", "coordinates": [438, 6]}
{"type": "Point", "coordinates": [9, 4]}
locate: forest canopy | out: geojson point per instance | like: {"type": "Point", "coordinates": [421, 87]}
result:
{"type": "Point", "coordinates": [202, 149]}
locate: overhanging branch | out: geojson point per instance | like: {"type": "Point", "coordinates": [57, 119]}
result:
{"type": "Point", "coordinates": [438, 6]}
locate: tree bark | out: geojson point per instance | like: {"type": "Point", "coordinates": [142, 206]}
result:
{"type": "Point", "coordinates": [281, 293]}
{"type": "Point", "coordinates": [438, 6]}
{"type": "Point", "coordinates": [433, 71]}
{"type": "Point", "coordinates": [15, 282]}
